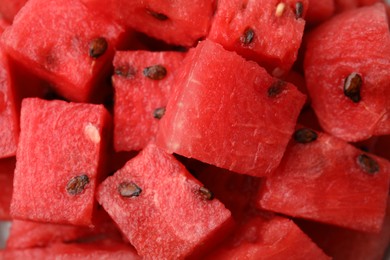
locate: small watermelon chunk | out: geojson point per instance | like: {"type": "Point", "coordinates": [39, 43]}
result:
{"type": "Point", "coordinates": [268, 238]}
{"type": "Point", "coordinates": [163, 210]}
{"type": "Point", "coordinates": [266, 31]}
{"type": "Point", "coordinates": [59, 161]}
{"type": "Point", "coordinates": [178, 22]}
{"type": "Point", "coordinates": [350, 95]}
{"type": "Point", "coordinates": [229, 112]}
{"type": "Point", "coordinates": [325, 179]}
{"type": "Point", "coordinates": [7, 167]}
{"type": "Point", "coordinates": [65, 43]}
{"type": "Point", "coordinates": [142, 83]}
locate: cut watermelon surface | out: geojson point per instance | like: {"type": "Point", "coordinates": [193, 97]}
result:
{"type": "Point", "coordinates": [7, 167]}
{"type": "Point", "coordinates": [350, 94]}
{"type": "Point", "coordinates": [322, 178]}
{"type": "Point", "coordinates": [9, 8]}
{"type": "Point", "coordinates": [319, 11]}
{"type": "Point", "coordinates": [229, 112]}
{"type": "Point", "coordinates": [142, 83]}
{"type": "Point", "coordinates": [163, 211]}
{"type": "Point", "coordinates": [59, 161]}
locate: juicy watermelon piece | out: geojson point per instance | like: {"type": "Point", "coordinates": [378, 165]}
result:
{"type": "Point", "coordinates": [178, 22]}
{"type": "Point", "coordinates": [346, 244]}
{"type": "Point", "coordinates": [142, 83]}
{"type": "Point", "coordinates": [59, 161]}
{"type": "Point", "coordinates": [274, 238]}
{"type": "Point", "coordinates": [64, 43]}
{"type": "Point", "coordinates": [229, 112]}
{"type": "Point", "coordinates": [266, 31]}
{"type": "Point", "coordinates": [333, 64]}
{"type": "Point", "coordinates": [325, 179]}
{"type": "Point", "coordinates": [9, 8]}
{"type": "Point", "coordinates": [319, 11]}
{"type": "Point", "coordinates": [163, 211]}
{"type": "Point", "coordinates": [7, 167]}
{"type": "Point", "coordinates": [345, 5]}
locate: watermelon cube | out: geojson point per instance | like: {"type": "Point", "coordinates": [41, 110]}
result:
{"type": "Point", "coordinates": [325, 179]}
{"type": "Point", "coordinates": [65, 43]}
{"type": "Point", "coordinates": [268, 238]}
{"type": "Point", "coordinates": [266, 31]}
{"type": "Point", "coordinates": [142, 83]}
{"type": "Point", "coordinates": [7, 167]}
{"type": "Point", "coordinates": [163, 210]}
{"type": "Point", "coordinates": [60, 160]}
{"type": "Point", "coordinates": [350, 95]}
{"type": "Point", "coordinates": [229, 112]}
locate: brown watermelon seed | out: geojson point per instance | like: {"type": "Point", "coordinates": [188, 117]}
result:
{"type": "Point", "coordinates": [125, 71]}
{"type": "Point", "coordinates": [305, 135]}
{"type": "Point", "coordinates": [129, 189]}
{"type": "Point", "coordinates": [367, 164]}
{"type": "Point", "coordinates": [276, 88]}
{"type": "Point", "coordinates": [158, 16]}
{"type": "Point", "coordinates": [97, 47]}
{"type": "Point", "coordinates": [298, 10]}
{"type": "Point", "coordinates": [77, 184]}
{"type": "Point", "coordinates": [159, 112]}
{"type": "Point", "coordinates": [280, 9]}
{"type": "Point", "coordinates": [352, 86]}
{"type": "Point", "coordinates": [206, 194]}
{"type": "Point", "coordinates": [156, 72]}
{"type": "Point", "coordinates": [247, 36]}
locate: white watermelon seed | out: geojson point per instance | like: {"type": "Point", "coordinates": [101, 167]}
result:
{"type": "Point", "coordinates": [129, 189]}
{"type": "Point", "coordinates": [280, 9]}
{"type": "Point", "coordinates": [91, 132]}
{"type": "Point", "coordinates": [77, 184]}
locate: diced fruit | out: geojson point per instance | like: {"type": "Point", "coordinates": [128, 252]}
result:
{"type": "Point", "coordinates": [229, 112]}
{"type": "Point", "coordinates": [163, 211]}
{"type": "Point", "coordinates": [142, 83]}
{"type": "Point", "coordinates": [322, 178]}
{"type": "Point", "coordinates": [178, 22]}
{"type": "Point", "coordinates": [319, 11]}
{"type": "Point", "coordinates": [59, 161]}
{"type": "Point", "coordinates": [350, 94]}
{"type": "Point", "coordinates": [268, 238]}
{"type": "Point", "coordinates": [266, 31]}
{"type": "Point", "coordinates": [7, 167]}
{"type": "Point", "coordinates": [65, 43]}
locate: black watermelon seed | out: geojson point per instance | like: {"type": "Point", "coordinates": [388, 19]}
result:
{"type": "Point", "coordinates": [77, 184]}
{"type": "Point", "coordinates": [129, 189]}
{"type": "Point", "coordinates": [298, 10]}
{"type": "Point", "coordinates": [305, 135]}
{"type": "Point", "coordinates": [367, 164]}
{"type": "Point", "coordinates": [352, 86]}
{"type": "Point", "coordinates": [125, 71]}
{"type": "Point", "coordinates": [97, 47]}
{"type": "Point", "coordinates": [276, 88]}
{"type": "Point", "coordinates": [156, 72]}
{"type": "Point", "coordinates": [247, 37]}
{"type": "Point", "coordinates": [206, 194]}
{"type": "Point", "coordinates": [158, 16]}
{"type": "Point", "coordinates": [159, 112]}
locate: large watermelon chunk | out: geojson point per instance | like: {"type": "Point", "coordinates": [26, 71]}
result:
{"type": "Point", "coordinates": [325, 179]}
{"type": "Point", "coordinates": [350, 94]}
{"type": "Point", "coordinates": [65, 43]}
{"type": "Point", "coordinates": [267, 31]}
{"type": "Point", "coordinates": [163, 210]}
{"type": "Point", "coordinates": [7, 167]}
{"type": "Point", "coordinates": [229, 112]}
{"type": "Point", "coordinates": [178, 22]}
{"type": "Point", "coordinates": [142, 83]}
{"type": "Point", "coordinates": [270, 238]}
{"type": "Point", "coordinates": [59, 161]}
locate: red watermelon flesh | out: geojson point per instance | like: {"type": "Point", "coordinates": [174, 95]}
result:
{"type": "Point", "coordinates": [59, 161]}
{"type": "Point", "coordinates": [9, 8]}
{"type": "Point", "coordinates": [263, 31]}
{"type": "Point", "coordinates": [142, 83]}
{"type": "Point", "coordinates": [330, 181]}
{"type": "Point", "coordinates": [334, 54]}
{"type": "Point", "coordinates": [229, 112]}
{"type": "Point", "coordinates": [163, 211]}
{"type": "Point", "coordinates": [3, 24]}
{"type": "Point", "coordinates": [274, 238]}
{"type": "Point", "coordinates": [7, 167]}
{"type": "Point", "coordinates": [319, 11]}
{"type": "Point", "coordinates": [178, 22]}
{"type": "Point", "coordinates": [346, 244]}
{"type": "Point", "coordinates": [65, 43]}
{"type": "Point", "coordinates": [345, 5]}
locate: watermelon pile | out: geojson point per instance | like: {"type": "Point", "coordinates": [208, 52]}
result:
{"type": "Point", "coordinates": [206, 129]}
